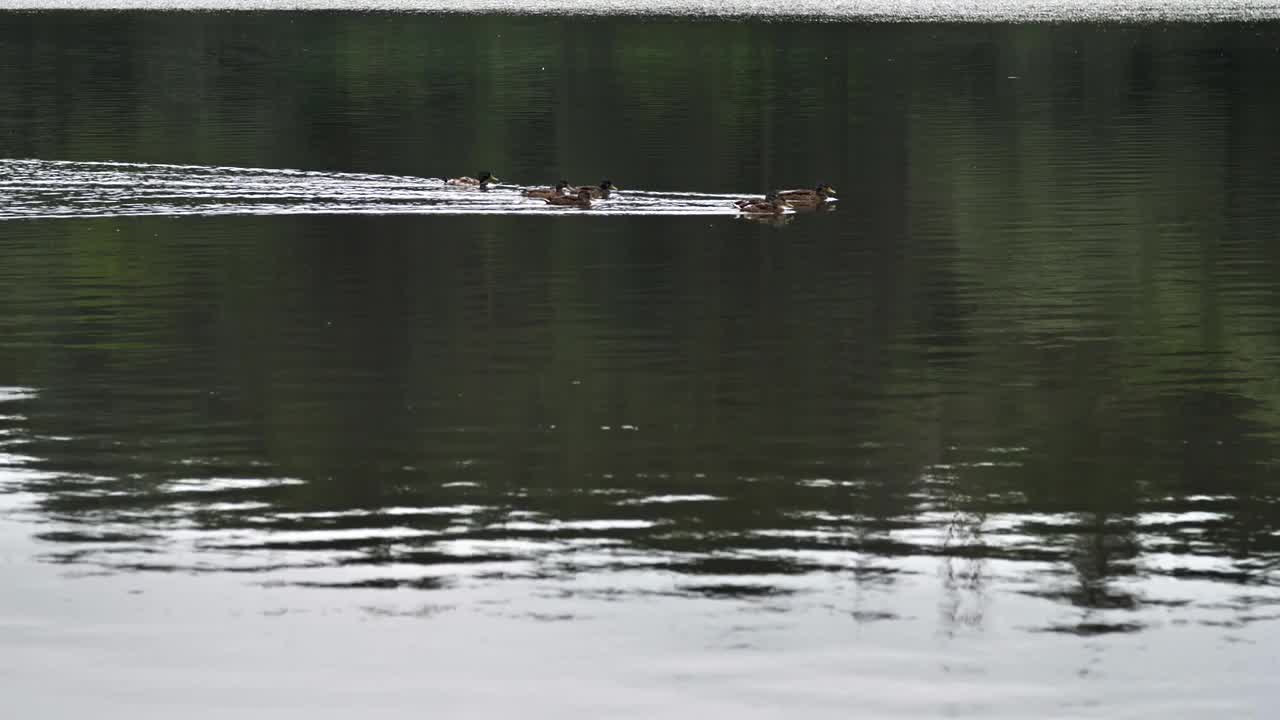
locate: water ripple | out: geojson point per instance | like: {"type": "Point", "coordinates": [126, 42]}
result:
{"type": "Point", "coordinates": [882, 10]}
{"type": "Point", "coordinates": [64, 189]}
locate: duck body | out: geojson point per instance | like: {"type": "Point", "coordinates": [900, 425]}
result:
{"type": "Point", "coordinates": [581, 200]}
{"type": "Point", "coordinates": [483, 182]}
{"type": "Point", "coordinates": [808, 198]}
{"type": "Point", "coordinates": [771, 205]}
{"type": "Point", "coordinates": [544, 193]}
{"type": "Point", "coordinates": [597, 191]}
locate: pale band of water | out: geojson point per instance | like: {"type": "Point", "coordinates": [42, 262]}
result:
{"type": "Point", "coordinates": [50, 189]}
{"type": "Point", "coordinates": [888, 10]}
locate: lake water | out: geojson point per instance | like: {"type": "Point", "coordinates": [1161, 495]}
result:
{"type": "Point", "coordinates": [290, 429]}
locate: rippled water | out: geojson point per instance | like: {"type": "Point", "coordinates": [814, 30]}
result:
{"type": "Point", "coordinates": [51, 189]}
{"type": "Point", "coordinates": [881, 10]}
{"type": "Point", "coordinates": [289, 427]}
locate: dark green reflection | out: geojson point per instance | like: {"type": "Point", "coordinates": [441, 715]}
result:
{"type": "Point", "coordinates": [1048, 293]}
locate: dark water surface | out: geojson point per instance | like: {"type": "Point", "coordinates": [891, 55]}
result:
{"type": "Point", "coordinates": [997, 437]}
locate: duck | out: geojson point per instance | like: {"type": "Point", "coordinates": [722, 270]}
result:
{"type": "Point", "coordinates": [771, 205]}
{"type": "Point", "coordinates": [582, 199]}
{"type": "Point", "coordinates": [551, 192]}
{"type": "Point", "coordinates": [483, 182]}
{"type": "Point", "coordinates": [599, 191]}
{"type": "Point", "coordinates": [808, 198]}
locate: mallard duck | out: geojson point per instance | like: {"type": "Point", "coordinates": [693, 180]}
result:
{"type": "Point", "coordinates": [486, 179]}
{"type": "Point", "coordinates": [771, 205]}
{"type": "Point", "coordinates": [599, 191]}
{"type": "Point", "coordinates": [582, 199]}
{"type": "Point", "coordinates": [544, 193]}
{"type": "Point", "coordinates": [808, 198]}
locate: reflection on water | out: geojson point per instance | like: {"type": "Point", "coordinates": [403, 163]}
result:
{"type": "Point", "coordinates": [996, 438]}
{"type": "Point", "coordinates": [804, 510]}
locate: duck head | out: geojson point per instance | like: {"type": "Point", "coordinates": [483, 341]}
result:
{"type": "Point", "coordinates": [487, 178]}
{"type": "Point", "coordinates": [826, 190]}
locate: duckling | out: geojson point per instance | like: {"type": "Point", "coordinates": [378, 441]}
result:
{"type": "Point", "coordinates": [805, 202]}
{"type": "Point", "coordinates": [582, 200]}
{"type": "Point", "coordinates": [598, 192]}
{"type": "Point", "coordinates": [544, 193]}
{"type": "Point", "coordinates": [486, 179]}
{"type": "Point", "coordinates": [808, 198]}
{"type": "Point", "coordinates": [771, 205]}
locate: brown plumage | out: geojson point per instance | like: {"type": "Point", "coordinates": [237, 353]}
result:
{"type": "Point", "coordinates": [551, 192]}
{"type": "Point", "coordinates": [483, 182]}
{"type": "Point", "coordinates": [582, 199]}
{"type": "Point", "coordinates": [598, 191]}
{"type": "Point", "coordinates": [771, 205]}
{"type": "Point", "coordinates": [808, 198]}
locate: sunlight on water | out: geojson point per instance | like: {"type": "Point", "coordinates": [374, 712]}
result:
{"type": "Point", "coordinates": [58, 189]}
{"type": "Point", "coordinates": [9, 394]}
{"type": "Point", "coordinates": [888, 10]}
{"type": "Point", "coordinates": [999, 438]}
{"type": "Point", "coordinates": [611, 545]}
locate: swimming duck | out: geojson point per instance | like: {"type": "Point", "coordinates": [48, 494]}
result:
{"type": "Point", "coordinates": [599, 191]}
{"type": "Point", "coordinates": [808, 198]}
{"type": "Point", "coordinates": [544, 193]}
{"type": "Point", "coordinates": [485, 180]}
{"type": "Point", "coordinates": [771, 205]}
{"type": "Point", "coordinates": [582, 199]}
